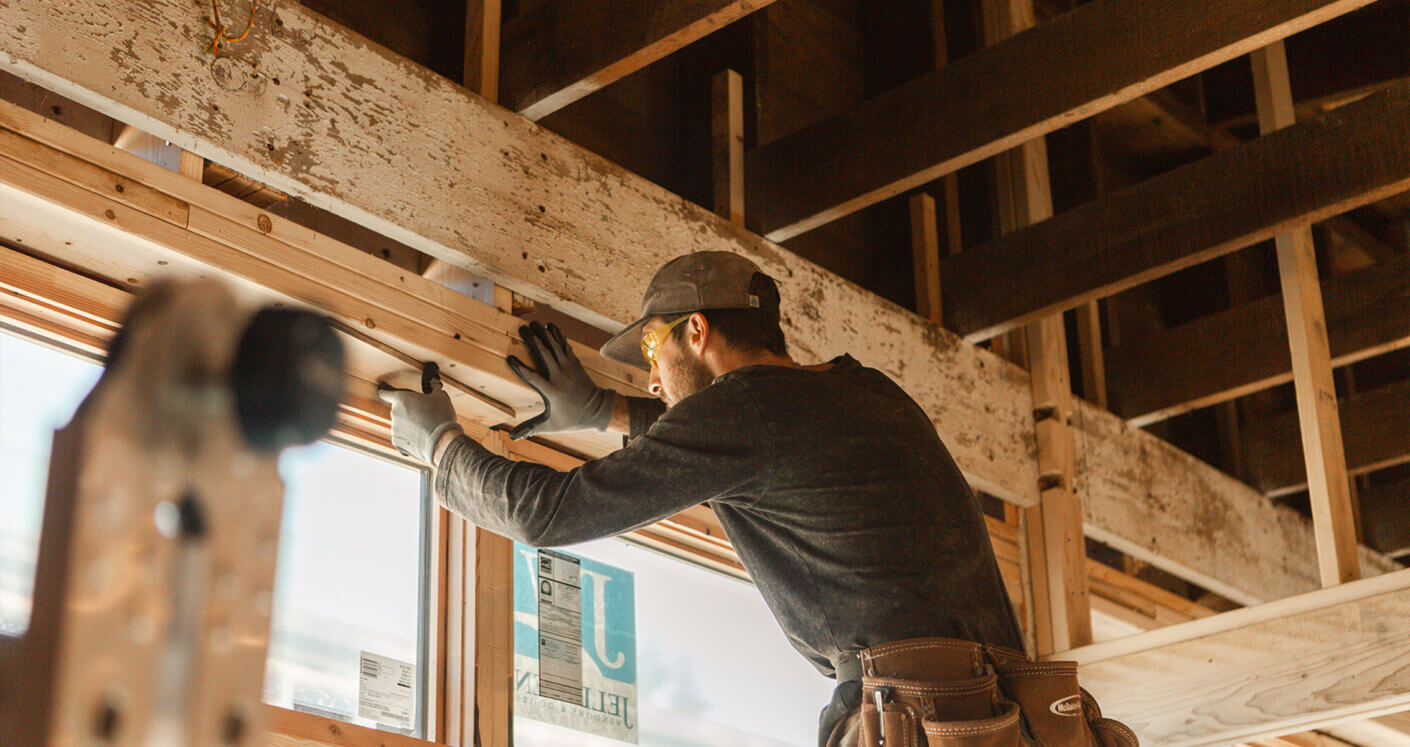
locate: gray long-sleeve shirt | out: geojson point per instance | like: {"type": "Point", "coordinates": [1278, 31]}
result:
{"type": "Point", "coordinates": [842, 503]}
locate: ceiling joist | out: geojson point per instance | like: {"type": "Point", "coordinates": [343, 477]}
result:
{"type": "Point", "coordinates": [1244, 349]}
{"type": "Point", "coordinates": [1094, 57]}
{"type": "Point", "coordinates": [562, 50]}
{"type": "Point", "coordinates": [1235, 198]}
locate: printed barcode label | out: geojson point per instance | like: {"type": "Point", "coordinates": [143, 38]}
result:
{"type": "Point", "coordinates": [560, 627]}
{"type": "Point", "coordinates": [386, 690]}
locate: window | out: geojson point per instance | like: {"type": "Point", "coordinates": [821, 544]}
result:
{"type": "Point", "coordinates": [713, 667]}
{"type": "Point", "coordinates": [40, 387]}
{"type": "Point", "coordinates": [353, 551]}
{"type": "Point", "coordinates": [351, 578]}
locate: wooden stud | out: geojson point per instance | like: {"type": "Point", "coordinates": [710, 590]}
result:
{"type": "Point", "coordinates": [1089, 336]}
{"type": "Point", "coordinates": [727, 144]}
{"type": "Point", "coordinates": [1332, 517]}
{"type": "Point", "coordinates": [925, 248]}
{"type": "Point", "coordinates": [482, 47]}
{"type": "Point", "coordinates": [1057, 554]}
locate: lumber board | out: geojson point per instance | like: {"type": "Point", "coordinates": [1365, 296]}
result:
{"type": "Point", "coordinates": [1333, 517]}
{"type": "Point", "coordinates": [1334, 654]}
{"type": "Point", "coordinates": [1235, 198]}
{"type": "Point", "coordinates": [531, 211]}
{"type": "Point", "coordinates": [1373, 429]}
{"type": "Point", "coordinates": [1244, 349]}
{"type": "Point", "coordinates": [562, 50]}
{"type": "Point", "coordinates": [1111, 51]}
{"type": "Point", "coordinates": [1056, 550]}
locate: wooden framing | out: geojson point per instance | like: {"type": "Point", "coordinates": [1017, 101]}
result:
{"type": "Point", "coordinates": [1244, 349]}
{"type": "Point", "coordinates": [727, 145]}
{"type": "Point", "coordinates": [562, 50]}
{"type": "Point", "coordinates": [590, 254]}
{"type": "Point", "coordinates": [925, 253]}
{"type": "Point", "coordinates": [1056, 550]}
{"type": "Point", "coordinates": [989, 102]}
{"type": "Point", "coordinates": [1333, 519]}
{"type": "Point", "coordinates": [1235, 198]}
{"type": "Point", "coordinates": [1338, 653]}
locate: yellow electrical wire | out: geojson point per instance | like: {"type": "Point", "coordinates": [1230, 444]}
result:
{"type": "Point", "coordinates": [221, 36]}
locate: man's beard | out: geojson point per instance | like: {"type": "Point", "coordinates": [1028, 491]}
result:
{"type": "Point", "coordinates": [691, 375]}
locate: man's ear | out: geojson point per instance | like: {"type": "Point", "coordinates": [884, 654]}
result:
{"type": "Point", "coordinates": [698, 334]}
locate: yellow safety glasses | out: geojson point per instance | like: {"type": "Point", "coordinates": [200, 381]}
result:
{"type": "Point", "coordinates": [653, 339]}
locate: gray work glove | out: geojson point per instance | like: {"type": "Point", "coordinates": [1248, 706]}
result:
{"type": "Point", "coordinates": [419, 420]}
{"type": "Point", "coordinates": [571, 402]}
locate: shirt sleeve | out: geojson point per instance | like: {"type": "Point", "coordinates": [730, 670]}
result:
{"type": "Point", "coordinates": [643, 412]}
{"type": "Point", "coordinates": [710, 446]}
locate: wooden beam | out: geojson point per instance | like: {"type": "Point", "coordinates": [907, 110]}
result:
{"type": "Point", "coordinates": [727, 144]}
{"type": "Point", "coordinates": [925, 250]}
{"type": "Point", "coordinates": [987, 103]}
{"type": "Point", "coordinates": [1232, 199]}
{"type": "Point", "coordinates": [599, 236]}
{"type": "Point", "coordinates": [1373, 428]}
{"type": "Point", "coordinates": [1333, 520]}
{"type": "Point", "coordinates": [1057, 549]}
{"type": "Point", "coordinates": [562, 50]}
{"type": "Point", "coordinates": [1243, 350]}
{"type": "Point", "coordinates": [1298, 663]}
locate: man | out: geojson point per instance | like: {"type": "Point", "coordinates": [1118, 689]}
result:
{"type": "Point", "coordinates": [842, 503]}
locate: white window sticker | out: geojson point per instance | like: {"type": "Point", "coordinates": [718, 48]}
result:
{"type": "Point", "coordinates": [386, 690]}
{"type": "Point", "coordinates": [560, 627]}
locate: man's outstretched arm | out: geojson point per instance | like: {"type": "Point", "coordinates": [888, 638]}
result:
{"type": "Point", "coordinates": [710, 446]}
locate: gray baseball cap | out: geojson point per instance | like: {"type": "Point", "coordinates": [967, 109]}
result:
{"type": "Point", "coordinates": [694, 282]}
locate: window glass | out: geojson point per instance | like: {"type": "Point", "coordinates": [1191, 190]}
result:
{"type": "Point", "coordinates": [350, 579]}
{"type": "Point", "coordinates": [40, 387]}
{"type": "Point", "coordinates": [714, 669]}
{"type": "Point", "coordinates": [352, 555]}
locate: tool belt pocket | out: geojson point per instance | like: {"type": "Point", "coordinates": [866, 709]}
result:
{"type": "Point", "coordinates": [962, 713]}
{"type": "Point", "coordinates": [1057, 710]}
{"type": "Point", "coordinates": [941, 692]}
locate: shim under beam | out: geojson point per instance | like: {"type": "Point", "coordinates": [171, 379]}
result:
{"type": "Point", "coordinates": [1244, 349]}
{"type": "Point", "coordinates": [562, 50]}
{"type": "Point", "coordinates": [1299, 663]}
{"type": "Point", "coordinates": [1235, 198]}
{"type": "Point", "coordinates": [1092, 58]}
{"type": "Point", "coordinates": [563, 226]}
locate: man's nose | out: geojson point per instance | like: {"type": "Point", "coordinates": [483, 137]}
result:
{"type": "Point", "coordinates": [653, 384]}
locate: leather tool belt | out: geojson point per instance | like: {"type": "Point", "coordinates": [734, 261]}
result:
{"type": "Point", "coordinates": [941, 691]}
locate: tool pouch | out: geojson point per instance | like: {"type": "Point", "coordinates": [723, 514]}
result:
{"type": "Point", "coordinates": [1056, 709]}
{"type": "Point", "coordinates": [943, 692]}
{"type": "Point", "coordinates": [934, 692]}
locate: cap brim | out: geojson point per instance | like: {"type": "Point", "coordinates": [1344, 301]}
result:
{"type": "Point", "coordinates": [625, 346]}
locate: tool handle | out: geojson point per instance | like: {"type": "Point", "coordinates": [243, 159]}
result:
{"type": "Point", "coordinates": [430, 377]}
